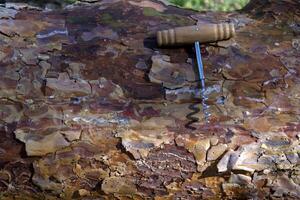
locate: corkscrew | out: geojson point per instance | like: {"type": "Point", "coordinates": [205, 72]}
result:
{"type": "Point", "coordinates": [188, 35]}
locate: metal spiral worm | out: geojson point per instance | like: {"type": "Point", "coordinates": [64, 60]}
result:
{"type": "Point", "coordinates": [205, 107]}
{"type": "Point", "coordinates": [203, 95]}
{"type": "Point", "coordinates": [191, 116]}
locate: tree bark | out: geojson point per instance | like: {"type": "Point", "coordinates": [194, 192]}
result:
{"type": "Point", "coordinates": [91, 108]}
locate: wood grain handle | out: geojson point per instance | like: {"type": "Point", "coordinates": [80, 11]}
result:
{"type": "Point", "coordinates": [189, 34]}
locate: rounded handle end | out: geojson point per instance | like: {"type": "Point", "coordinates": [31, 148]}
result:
{"type": "Point", "coordinates": [159, 38]}
{"type": "Point", "coordinates": [225, 31]}
{"type": "Point", "coordinates": [166, 38]}
{"type": "Point", "coordinates": [232, 30]}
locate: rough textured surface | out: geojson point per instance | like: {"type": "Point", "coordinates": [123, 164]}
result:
{"type": "Point", "coordinates": [91, 108]}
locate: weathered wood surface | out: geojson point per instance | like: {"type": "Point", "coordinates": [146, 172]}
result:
{"type": "Point", "coordinates": [91, 108]}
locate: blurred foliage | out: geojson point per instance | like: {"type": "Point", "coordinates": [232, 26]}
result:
{"type": "Point", "coordinates": [42, 3]}
{"type": "Point", "coordinates": [215, 5]}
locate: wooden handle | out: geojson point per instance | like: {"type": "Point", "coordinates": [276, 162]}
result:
{"type": "Point", "coordinates": [190, 34]}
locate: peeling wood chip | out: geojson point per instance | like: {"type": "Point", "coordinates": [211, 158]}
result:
{"type": "Point", "coordinates": [140, 142]}
{"type": "Point", "coordinates": [118, 185]}
{"type": "Point", "coordinates": [48, 144]}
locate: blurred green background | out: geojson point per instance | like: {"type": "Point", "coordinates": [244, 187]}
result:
{"type": "Point", "coordinates": [215, 5]}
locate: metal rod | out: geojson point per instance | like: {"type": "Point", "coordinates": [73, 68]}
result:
{"type": "Point", "coordinates": [202, 80]}
{"type": "Point", "coordinates": [200, 65]}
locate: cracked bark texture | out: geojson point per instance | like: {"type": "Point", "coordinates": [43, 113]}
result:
{"type": "Point", "coordinates": [90, 108]}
